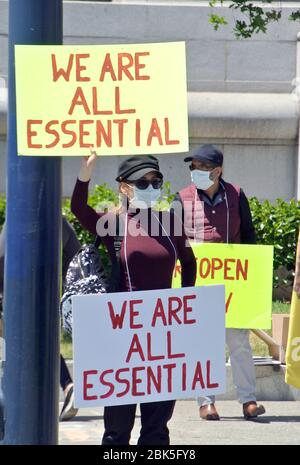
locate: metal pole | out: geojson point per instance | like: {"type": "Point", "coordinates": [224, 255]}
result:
{"type": "Point", "coordinates": [297, 193]}
{"type": "Point", "coordinates": [32, 256]}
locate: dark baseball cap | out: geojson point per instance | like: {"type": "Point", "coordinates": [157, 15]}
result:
{"type": "Point", "coordinates": [208, 154]}
{"type": "Point", "coordinates": [136, 167]}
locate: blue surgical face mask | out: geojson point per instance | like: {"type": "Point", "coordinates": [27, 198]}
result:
{"type": "Point", "coordinates": [201, 179]}
{"type": "Point", "coordinates": [145, 198]}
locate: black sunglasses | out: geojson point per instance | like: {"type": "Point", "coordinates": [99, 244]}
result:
{"type": "Point", "coordinates": [142, 184]}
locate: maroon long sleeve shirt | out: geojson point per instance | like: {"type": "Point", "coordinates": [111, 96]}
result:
{"type": "Point", "coordinates": [151, 258]}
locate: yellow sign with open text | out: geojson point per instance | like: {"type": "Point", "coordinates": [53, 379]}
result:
{"type": "Point", "coordinates": [246, 271]}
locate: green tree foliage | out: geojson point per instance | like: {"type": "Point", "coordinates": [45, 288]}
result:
{"type": "Point", "coordinates": [256, 17]}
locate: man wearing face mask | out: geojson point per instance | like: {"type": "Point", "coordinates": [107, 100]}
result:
{"type": "Point", "coordinates": [217, 211]}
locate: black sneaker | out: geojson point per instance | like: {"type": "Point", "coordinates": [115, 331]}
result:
{"type": "Point", "coordinates": [68, 411]}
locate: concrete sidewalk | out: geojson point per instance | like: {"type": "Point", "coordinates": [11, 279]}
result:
{"type": "Point", "coordinates": [280, 425]}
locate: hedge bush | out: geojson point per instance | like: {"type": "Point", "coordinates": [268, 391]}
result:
{"type": "Point", "coordinates": [278, 224]}
{"type": "Point", "coordinates": [2, 210]}
{"type": "Point", "coordinates": [99, 198]}
{"type": "Point", "coordinates": [275, 224]}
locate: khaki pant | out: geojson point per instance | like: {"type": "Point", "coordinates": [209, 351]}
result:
{"type": "Point", "coordinates": [242, 366]}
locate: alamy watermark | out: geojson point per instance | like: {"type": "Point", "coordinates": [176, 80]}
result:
{"type": "Point", "coordinates": [178, 219]}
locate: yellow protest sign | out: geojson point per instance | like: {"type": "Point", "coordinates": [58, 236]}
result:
{"type": "Point", "coordinates": [292, 375]}
{"type": "Point", "coordinates": [119, 99]}
{"type": "Point", "coordinates": [246, 271]}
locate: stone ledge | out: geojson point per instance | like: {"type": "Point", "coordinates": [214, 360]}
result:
{"type": "Point", "coordinates": [231, 115]}
{"type": "Point", "coordinates": [234, 115]}
{"type": "Point", "coordinates": [270, 384]}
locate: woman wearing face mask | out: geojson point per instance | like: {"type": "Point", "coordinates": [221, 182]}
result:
{"type": "Point", "coordinates": [148, 256]}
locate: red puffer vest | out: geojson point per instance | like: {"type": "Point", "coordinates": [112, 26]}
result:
{"type": "Point", "coordinates": [207, 223]}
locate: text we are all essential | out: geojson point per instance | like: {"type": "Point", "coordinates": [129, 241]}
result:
{"type": "Point", "coordinates": [112, 125]}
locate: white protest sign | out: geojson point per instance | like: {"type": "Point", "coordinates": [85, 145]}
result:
{"type": "Point", "coordinates": [148, 346]}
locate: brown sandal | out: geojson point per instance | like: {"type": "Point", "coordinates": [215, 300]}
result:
{"type": "Point", "coordinates": [209, 412]}
{"type": "Point", "coordinates": [252, 410]}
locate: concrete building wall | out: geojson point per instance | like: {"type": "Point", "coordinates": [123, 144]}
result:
{"type": "Point", "coordinates": [240, 92]}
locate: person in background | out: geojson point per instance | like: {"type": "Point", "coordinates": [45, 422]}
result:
{"type": "Point", "coordinates": [71, 245]}
{"type": "Point", "coordinates": [147, 262]}
{"type": "Point", "coordinates": [217, 211]}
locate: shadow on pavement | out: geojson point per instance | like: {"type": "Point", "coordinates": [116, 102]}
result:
{"type": "Point", "coordinates": [88, 418]}
{"type": "Point", "coordinates": [267, 419]}
{"type": "Point", "coordinates": [84, 418]}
